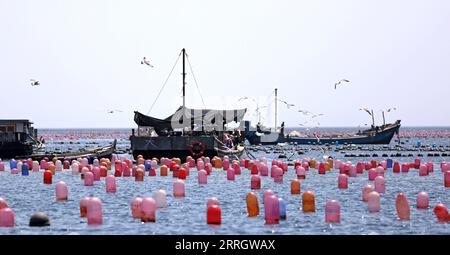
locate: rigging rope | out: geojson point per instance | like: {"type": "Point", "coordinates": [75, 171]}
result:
{"type": "Point", "coordinates": [159, 93]}
{"type": "Point", "coordinates": [195, 80]}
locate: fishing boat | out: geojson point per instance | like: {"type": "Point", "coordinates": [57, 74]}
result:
{"type": "Point", "coordinates": [90, 154]}
{"type": "Point", "coordinates": [188, 132]}
{"type": "Point", "coordinates": [375, 135]}
{"type": "Point", "coordinates": [17, 138]}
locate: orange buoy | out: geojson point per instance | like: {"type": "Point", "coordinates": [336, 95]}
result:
{"type": "Point", "coordinates": [308, 202]}
{"type": "Point", "coordinates": [139, 177]}
{"type": "Point", "coordinates": [103, 171]}
{"type": "Point", "coordinates": [163, 170]}
{"type": "Point", "coordinates": [295, 186]}
{"type": "Point", "coordinates": [252, 204]}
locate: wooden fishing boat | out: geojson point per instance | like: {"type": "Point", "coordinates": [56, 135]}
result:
{"type": "Point", "coordinates": [187, 132]}
{"type": "Point", "coordinates": [90, 154]}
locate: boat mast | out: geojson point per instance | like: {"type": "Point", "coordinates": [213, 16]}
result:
{"type": "Point", "coordinates": [183, 51]}
{"type": "Point", "coordinates": [276, 99]}
{"type": "Point", "coordinates": [384, 122]}
{"type": "Point", "coordinates": [373, 120]}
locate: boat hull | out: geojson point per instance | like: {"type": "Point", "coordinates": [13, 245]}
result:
{"type": "Point", "coordinates": [172, 146]}
{"type": "Point", "coordinates": [381, 137]}
{"type": "Point", "coordinates": [10, 150]}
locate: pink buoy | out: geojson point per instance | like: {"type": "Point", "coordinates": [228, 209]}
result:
{"type": "Point", "coordinates": [212, 201]}
{"type": "Point", "coordinates": [266, 194]}
{"type": "Point", "coordinates": [75, 168]}
{"type": "Point", "coordinates": [447, 179]}
{"type": "Point", "coordinates": [2, 165]}
{"type": "Point", "coordinates": [230, 174]}
{"type": "Point", "coordinates": [118, 166]}
{"type": "Point", "coordinates": [352, 171]}
{"type": "Point", "coordinates": [332, 211]}
{"type": "Point", "coordinates": [263, 170]}
{"type": "Point", "coordinates": [405, 167]}
{"type": "Point", "coordinates": [96, 162]}
{"type": "Point", "coordinates": [96, 173]}
{"type": "Point", "coordinates": [161, 198]}
{"type": "Point", "coordinates": [254, 169]}
{"type": "Point", "coordinates": [359, 168]}
{"type": "Point", "coordinates": [200, 165]}
{"type": "Point", "coordinates": [305, 165]}
{"type": "Point", "coordinates": [202, 177]}
{"type": "Point", "coordinates": [337, 164]}
{"type": "Point", "coordinates": [367, 166]}
{"type": "Point", "coordinates": [36, 166]}
{"type": "Point", "coordinates": [94, 211]}
{"type": "Point", "coordinates": [417, 163]}
{"type": "Point", "coordinates": [148, 209]}
{"type": "Point", "coordinates": [61, 191]}
{"type": "Point", "coordinates": [301, 172]}
{"type": "Point", "coordinates": [383, 164]}
{"type": "Point", "coordinates": [58, 165]}
{"type": "Point", "coordinates": [236, 168]}
{"type": "Point", "coordinates": [372, 174]}
{"type": "Point", "coordinates": [379, 184]}
{"type": "Point", "coordinates": [272, 210]}
{"type": "Point", "coordinates": [373, 201]}
{"type": "Point", "coordinates": [423, 170]}
{"type": "Point", "coordinates": [445, 167]}
{"type": "Point", "coordinates": [430, 167]}
{"type": "Point", "coordinates": [278, 175]}
{"type": "Point", "coordinates": [422, 200]}
{"type": "Point", "coordinates": [380, 171]}
{"type": "Point", "coordinates": [125, 170]}
{"type": "Point", "coordinates": [110, 182]}
{"type": "Point", "coordinates": [178, 188]}
{"type": "Point", "coordinates": [135, 205]}
{"type": "Point", "coordinates": [84, 170]}
{"type": "Point", "coordinates": [208, 168]}
{"type": "Point", "coordinates": [6, 217]}
{"type": "Point", "coordinates": [402, 206]}
{"type": "Point", "coordinates": [255, 182]}
{"type": "Point", "coordinates": [88, 179]}
{"type": "Point", "coordinates": [342, 181]}
{"type": "Point", "coordinates": [15, 171]}
{"type": "Point", "coordinates": [366, 190]}
{"type": "Point", "coordinates": [226, 164]}
{"type": "Point", "coordinates": [3, 203]}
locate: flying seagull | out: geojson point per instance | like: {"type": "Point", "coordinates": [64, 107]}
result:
{"type": "Point", "coordinates": [242, 98]}
{"type": "Point", "coordinates": [367, 110]}
{"type": "Point", "coordinates": [317, 115]}
{"type": "Point", "coordinates": [112, 111]}
{"type": "Point", "coordinates": [391, 109]}
{"type": "Point", "coordinates": [145, 61]}
{"type": "Point", "coordinates": [339, 82]}
{"type": "Point", "coordinates": [34, 82]}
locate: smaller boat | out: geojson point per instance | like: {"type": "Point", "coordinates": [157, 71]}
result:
{"type": "Point", "coordinates": [90, 154]}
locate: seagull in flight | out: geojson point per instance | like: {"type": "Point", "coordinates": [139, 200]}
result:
{"type": "Point", "coordinates": [242, 98]}
{"type": "Point", "coordinates": [145, 61]}
{"type": "Point", "coordinates": [317, 115]}
{"type": "Point", "coordinates": [339, 82]}
{"type": "Point", "coordinates": [304, 112]}
{"type": "Point", "coordinates": [112, 111]}
{"type": "Point", "coordinates": [391, 109]}
{"type": "Point", "coordinates": [367, 110]}
{"type": "Point", "coordinates": [34, 82]}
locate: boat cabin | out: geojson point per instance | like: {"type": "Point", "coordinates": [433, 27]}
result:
{"type": "Point", "coordinates": [18, 130]}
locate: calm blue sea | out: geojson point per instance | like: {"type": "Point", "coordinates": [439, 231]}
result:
{"type": "Point", "coordinates": [27, 194]}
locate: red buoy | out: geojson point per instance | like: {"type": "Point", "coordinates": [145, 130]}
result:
{"type": "Point", "coordinates": [214, 215]}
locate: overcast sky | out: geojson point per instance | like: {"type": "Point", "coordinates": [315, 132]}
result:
{"type": "Point", "coordinates": [86, 55]}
